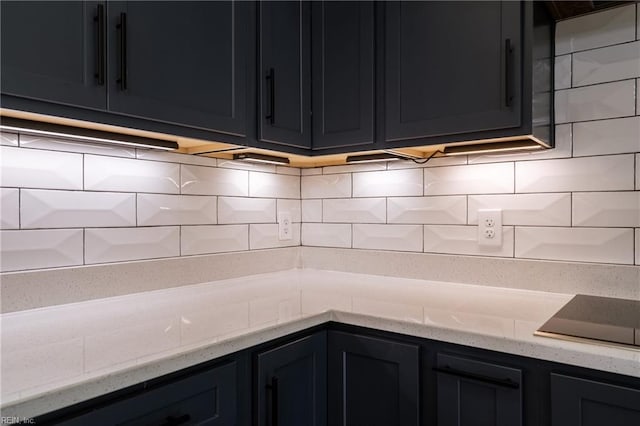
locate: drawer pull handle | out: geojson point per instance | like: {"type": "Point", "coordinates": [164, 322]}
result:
{"type": "Point", "coordinates": [175, 421]}
{"type": "Point", "coordinates": [273, 387]}
{"type": "Point", "coordinates": [507, 383]}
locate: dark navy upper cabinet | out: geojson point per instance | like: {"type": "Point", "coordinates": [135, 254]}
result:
{"type": "Point", "coordinates": [54, 51]}
{"type": "Point", "coordinates": [182, 62]}
{"type": "Point", "coordinates": [292, 383]}
{"type": "Point", "coordinates": [451, 67]}
{"type": "Point", "coordinates": [583, 402]}
{"type": "Point", "coordinates": [372, 381]}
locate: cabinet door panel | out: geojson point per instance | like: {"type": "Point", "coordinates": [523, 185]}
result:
{"type": "Point", "coordinates": [447, 68]}
{"type": "Point", "coordinates": [185, 62]}
{"type": "Point", "coordinates": [49, 52]}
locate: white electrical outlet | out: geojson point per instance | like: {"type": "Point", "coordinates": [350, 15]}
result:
{"type": "Point", "coordinates": [490, 227]}
{"type": "Point", "coordinates": [284, 226]}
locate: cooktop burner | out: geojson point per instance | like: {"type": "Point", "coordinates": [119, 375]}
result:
{"type": "Point", "coordinates": [605, 319]}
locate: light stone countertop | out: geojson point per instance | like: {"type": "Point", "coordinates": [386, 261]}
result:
{"type": "Point", "coordinates": [57, 356]}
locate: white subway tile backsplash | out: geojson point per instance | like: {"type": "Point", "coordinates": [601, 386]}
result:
{"type": "Point", "coordinates": [247, 165]}
{"type": "Point", "coordinates": [638, 246]}
{"type": "Point", "coordinates": [608, 100]}
{"type": "Point", "coordinates": [352, 210]}
{"type": "Point", "coordinates": [616, 136]}
{"type": "Point", "coordinates": [311, 172]}
{"type": "Point", "coordinates": [388, 237]}
{"type": "Point", "coordinates": [160, 209]}
{"type": "Point", "coordinates": [472, 179]}
{"type": "Point", "coordinates": [128, 175]}
{"type": "Point", "coordinates": [273, 185]}
{"type": "Point", "coordinates": [117, 244]}
{"type": "Point", "coordinates": [392, 183]}
{"type": "Point", "coordinates": [246, 210]}
{"type": "Point", "coordinates": [326, 186]}
{"type": "Point", "coordinates": [213, 181]}
{"type": "Point", "coordinates": [291, 206]}
{"type": "Point", "coordinates": [637, 172]}
{"type": "Point", "coordinates": [610, 63]}
{"type": "Point", "coordinates": [608, 245]}
{"type": "Point", "coordinates": [562, 76]}
{"type": "Point", "coordinates": [613, 26]}
{"type": "Point", "coordinates": [9, 208]}
{"type": "Point", "coordinates": [214, 239]}
{"type": "Point", "coordinates": [262, 236]}
{"type": "Point", "coordinates": [351, 168]}
{"type": "Point", "coordinates": [284, 170]}
{"type": "Point", "coordinates": [434, 210]}
{"type": "Point", "coordinates": [454, 239]}
{"type": "Point", "coordinates": [326, 235]}
{"type": "Point", "coordinates": [44, 142]}
{"type": "Point", "coordinates": [76, 209]}
{"type": "Point", "coordinates": [175, 157]}
{"type": "Point", "coordinates": [606, 209]}
{"type": "Point", "coordinates": [35, 249]}
{"type": "Point", "coordinates": [614, 172]}
{"type": "Point", "coordinates": [32, 168]}
{"type": "Point", "coordinates": [311, 210]}
{"type": "Point", "coordinates": [525, 209]}
{"type": "Point", "coordinates": [9, 139]}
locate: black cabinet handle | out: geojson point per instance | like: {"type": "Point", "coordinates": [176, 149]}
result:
{"type": "Point", "coordinates": [122, 28]}
{"type": "Point", "coordinates": [100, 51]}
{"type": "Point", "coordinates": [506, 383]}
{"type": "Point", "coordinates": [273, 387]}
{"type": "Point", "coordinates": [272, 95]}
{"type": "Point", "coordinates": [175, 421]}
{"type": "Point", "coordinates": [508, 73]}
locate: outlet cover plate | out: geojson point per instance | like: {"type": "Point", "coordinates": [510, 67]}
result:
{"type": "Point", "coordinates": [490, 228]}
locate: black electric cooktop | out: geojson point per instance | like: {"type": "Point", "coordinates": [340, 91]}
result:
{"type": "Point", "coordinates": [603, 319]}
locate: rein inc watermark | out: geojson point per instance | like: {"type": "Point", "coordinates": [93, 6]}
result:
{"type": "Point", "coordinates": [13, 420]}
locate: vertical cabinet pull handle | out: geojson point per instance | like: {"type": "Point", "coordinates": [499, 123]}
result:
{"type": "Point", "coordinates": [273, 387]}
{"type": "Point", "coordinates": [272, 96]}
{"type": "Point", "coordinates": [100, 45]}
{"type": "Point", "coordinates": [122, 28]}
{"type": "Point", "coordinates": [508, 73]}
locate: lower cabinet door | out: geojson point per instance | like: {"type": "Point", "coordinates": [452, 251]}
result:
{"type": "Point", "coordinates": [372, 381]}
{"type": "Point", "coordinates": [476, 393]}
{"type": "Point", "coordinates": [207, 398]}
{"type": "Point", "coordinates": [292, 383]}
{"type": "Point", "coordinates": [582, 402]}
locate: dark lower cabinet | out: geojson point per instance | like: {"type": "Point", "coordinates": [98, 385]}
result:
{"type": "Point", "coordinates": [477, 393]}
{"type": "Point", "coordinates": [372, 381]}
{"type": "Point", "coordinates": [292, 383]}
{"type": "Point", "coordinates": [583, 402]}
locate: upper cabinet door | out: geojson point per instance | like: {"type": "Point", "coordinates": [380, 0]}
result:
{"type": "Point", "coordinates": [284, 72]}
{"type": "Point", "coordinates": [54, 51]}
{"type": "Point", "coordinates": [451, 67]}
{"type": "Point", "coordinates": [180, 62]}
{"type": "Point", "coordinates": [343, 74]}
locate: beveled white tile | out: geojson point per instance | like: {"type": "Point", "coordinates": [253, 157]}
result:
{"type": "Point", "coordinates": [613, 26]}
{"type": "Point", "coordinates": [326, 235]}
{"type": "Point", "coordinates": [214, 239]}
{"type": "Point", "coordinates": [453, 239]}
{"type": "Point", "coordinates": [388, 183]}
{"type": "Point", "coordinates": [34, 249]}
{"type": "Point", "coordinates": [311, 171]}
{"type": "Point", "coordinates": [246, 210]}
{"type": "Point", "coordinates": [291, 206]}
{"type": "Point", "coordinates": [606, 245]}
{"type": "Point", "coordinates": [285, 170]}
{"type": "Point", "coordinates": [247, 165]}
{"type": "Point", "coordinates": [9, 139]}
{"type": "Point", "coordinates": [607, 100]}
{"type": "Point", "coordinates": [273, 185]}
{"type": "Point", "coordinates": [175, 157]}
{"type": "Point", "coordinates": [44, 142]}
{"type": "Point", "coordinates": [562, 149]}
{"type": "Point", "coordinates": [438, 209]}
{"type": "Point", "coordinates": [615, 136]}
{"type": "Point", "coordinates": [9, 208]}
{"type": "Point", "coordinates": [606, 209]}
{"type": "Point", "coordinates": [354, 210]}
{"type": "Point", "coordinates": [213, 181]}
{"type": "Point", "coordinates": [76, 209]}
{"type": "Point", "coordinates": [614, 172]}
{"type": "Point", "coordinates": [525, 209]}
{"type": "Point", "coordinates": [32, 168]}
{"type": "Point", "coordinates": [637, 246]}
{"type": "Point", "coordinates": [123, 174]}
{"type": "Point", "coordinates": [311, 210]}
{"type": "Point", "coordinates": [388, 237]}
{"type": "Point", "coordinates": [326, 186]}
{"type": "Point", "coordinates": [160, 209]}
{"type": "Point", "coordinates": [562, 76]}
{"type": "Point", "coordinates": [265, 235]}
{"type": "Point", "coordinates": [351, 168]}
{"type": "Point", "coordinates": [455, 160]}
{"type": "Point", "coordinates": [117, 244]}
{"type": "Point", "coordinates": [471, 179]}
{"type": "Point", "coordinates": [610, 63]}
